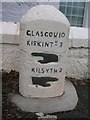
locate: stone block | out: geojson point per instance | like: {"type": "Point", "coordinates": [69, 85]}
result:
{"type": "Point", "coordinates": [66, 102]}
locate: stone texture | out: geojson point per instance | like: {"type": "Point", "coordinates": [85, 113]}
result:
{"type": "Point", "coordinates": [10, 57]}
{"type": "Point", "coordinates": [77, 62]}
{"type": "Point", "coordinates": [77, 53]}
{"type": "Point", "coordinates": [40, 26]}
{"type": "Point", "coordinates": [0, 95]}
{"type": "Point", "coordinates": [67, 101]}
{"type": "Point", "coordinates": [50, 13]}
{"type": "Point", "coordinates": [77, 68]}
{"type": "Point", "coordinates": [77, 56]}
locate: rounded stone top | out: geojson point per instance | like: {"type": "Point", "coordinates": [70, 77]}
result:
{"type": "Point", "coordinates": [44, 12]}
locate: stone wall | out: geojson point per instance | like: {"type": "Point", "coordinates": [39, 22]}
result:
{"type": "Point", "coordinates": [77, 62]}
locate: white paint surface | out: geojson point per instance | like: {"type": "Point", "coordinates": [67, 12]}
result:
{"type": "Point", "coordinates": [11, 28]}
{"type": "Point", "coordinates": [80, 37]}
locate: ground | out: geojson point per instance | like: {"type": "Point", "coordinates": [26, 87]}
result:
{"type": "Point", "coordinates": [10, 82]}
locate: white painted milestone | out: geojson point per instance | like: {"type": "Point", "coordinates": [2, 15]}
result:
{"type": "Point", "coordinates": [44, 33]}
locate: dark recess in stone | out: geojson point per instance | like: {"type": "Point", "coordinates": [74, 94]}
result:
{"type": "Point", "coordinates": [47, 58]}
{"type": "Point", "coordinates": [42, 81]}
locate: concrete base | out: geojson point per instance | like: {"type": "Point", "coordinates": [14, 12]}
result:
{"type": "Point", "coordinates": [66, 102]}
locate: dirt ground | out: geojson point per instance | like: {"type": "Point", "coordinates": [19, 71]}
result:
{"type": "Point", "coordinates": [10, 83]}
